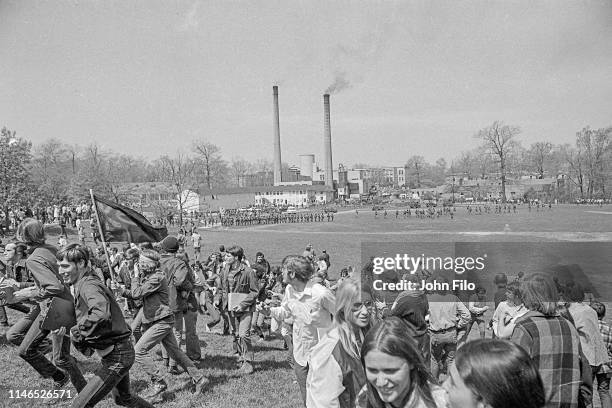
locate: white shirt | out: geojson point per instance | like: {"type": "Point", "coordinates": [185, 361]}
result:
{"type": "Point", "coordinates": [325, 377]}
{"type": "Point", "coordinates": [311, 311]}
{"type": "Point", "coordinates": [196, 238]}
{"type": "Point", "coordinates": [503, 309]}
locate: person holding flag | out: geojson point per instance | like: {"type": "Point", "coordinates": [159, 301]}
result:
{"type": "Point", "coordinates": [100, 328]}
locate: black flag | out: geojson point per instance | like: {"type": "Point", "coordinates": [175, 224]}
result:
{"type": "Point", "coordinates": [122, 224]}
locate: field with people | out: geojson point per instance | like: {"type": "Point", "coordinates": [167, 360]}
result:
{"type": "Point", "coordinates": [272, 384]}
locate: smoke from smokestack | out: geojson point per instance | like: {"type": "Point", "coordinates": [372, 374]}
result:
{"type": "Point", "coordinates": [329, 175]}
{"type": "Point", "coordinates": [277, 148]}
{"type": "Point", "coordinates": [340, 83]}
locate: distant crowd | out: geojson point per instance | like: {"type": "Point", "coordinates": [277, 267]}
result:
{"type": "Point", "coordinates": [347, 346]}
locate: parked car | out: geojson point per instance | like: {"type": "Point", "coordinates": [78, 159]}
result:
{"type": "Point", "coordinates": [378, 208]}
{"type": "Point", "coordinates": [291, 210]}
{"type": "Point", "coordinates": [330, 210]}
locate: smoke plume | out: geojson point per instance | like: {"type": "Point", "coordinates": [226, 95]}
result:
{"type": "Point", "coordinates": [340, 83]}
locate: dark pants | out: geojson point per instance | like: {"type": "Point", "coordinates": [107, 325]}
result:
{"type": "Point", "coordinates": [113, 375]}
{"type": "Point", "coordinates": [136, 324]}
{"type": "Point", "coordinates": [162, 332]}
{"type": "Point", "coordinates": [185, 322]}
{"type": "Point", "coordinates": [207, 299]}
{"type": "Point", "coordinates": [443, 348]}
{"type": "Point", "coordinates": [20, 307]}
{"type": "Point", "coordinates": [423, 342]}
{"type": "Point", "coordinates": [28, 335]}
{"type": "Point", "coordinates": [226, 320]}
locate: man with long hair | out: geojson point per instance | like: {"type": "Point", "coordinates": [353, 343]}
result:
{"type": "Point", "coordinates": [27, 332]}
{"type": "Point", "coordinates": [551, 341]}
{"type": "Point", "coordinates": [158, 323]}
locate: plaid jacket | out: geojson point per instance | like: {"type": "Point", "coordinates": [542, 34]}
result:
{"type": "Point", "coordinates": [606, 334]}
{"type": "Point", "coordinates": [554, 346]}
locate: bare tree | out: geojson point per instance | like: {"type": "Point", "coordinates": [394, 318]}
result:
{"type": "Point", "coordinates": [416, 166]}
{"type": "Point", "coordinates": [574, 159]}
{"type": "Point", "coordinates": [498, 138]}
{"type": "Point", "coordinates": [213, 166]}
{"type": "Point", "coordinates": [119, 171]}
{"type": "Point", "coordinates": [594, 145]}
{"type": "Point", "coordinates": [483, 161]}
{"type": "Point", "coordinates": [239, 169]}
{"type": "Point", "coordinates": [180, 172]}
{"type": "Point", "coordinates": [439, 171]}
{"type": "Point", "coordinates": [517, 160]}
{"type": "Point", "coordinates": [91, 171]}
{"type": "Point", "coordinates": [466, 163]}
{"type": "Point", "coordinates": [50, 171]}
{"type": "Point", "coordinates": [263, 165]}
{"type": "Point", "coordinates": [539, 154]}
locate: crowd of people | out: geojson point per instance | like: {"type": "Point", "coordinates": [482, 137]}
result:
{"type": "Point", "coordinates": [347, 346]}
{"type": "Point", "coordinates": [275, 218]}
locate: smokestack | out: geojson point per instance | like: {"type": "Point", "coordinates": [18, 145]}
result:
{"type": "Point", "coordinates": [329, 173]}
{"type": "Point", "coordinates": [277, 148]}
{"type": "Point", "coordinates": [306, 165]}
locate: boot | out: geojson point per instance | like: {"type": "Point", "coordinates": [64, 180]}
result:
{"type": "Point", "coordinates": [196, 386]}
{"type": "Point", "coordinates": [156, 390]}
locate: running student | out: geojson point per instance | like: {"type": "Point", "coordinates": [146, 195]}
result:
{"type": "Point", "coordinates": [100, 328]}
{"type": "Point", "coordinates": [27, 332]}
{"type": "Point", "coordinates": [158, 323]}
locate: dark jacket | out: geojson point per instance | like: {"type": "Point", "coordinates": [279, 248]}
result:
{"type": "Point", "coordinates": [125, 277]}
{"type": "Point", "coordinates": [262, 269]}
{"type": "Point", "coordinates": [100, 321]}
{"type": "Point", "coordinates": [180, 281]}
{"type": "Point", "coordinates": [19, 273]}
{"type": "Point", "coordinates": [412, 307]}
{"type": "Point", "coordinates": [42, 266]}
{"type": "Point", "coordinates": [242, 280]}
{"type": "Point", "coordinates": [153, 290]}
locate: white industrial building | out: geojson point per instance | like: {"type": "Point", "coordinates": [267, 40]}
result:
{"type": "Point", "coordinates": [297, 195]}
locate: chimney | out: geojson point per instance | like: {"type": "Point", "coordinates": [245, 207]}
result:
{"type": "Point", "coordinates": [329, 173]}
{"type": "Point", "coordinates": [277, 148]}
{"type": "Point", "coordinates": [306, 165]}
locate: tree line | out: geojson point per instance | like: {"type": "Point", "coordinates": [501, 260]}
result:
{"type": "Point", "coordinates": [587, 164]}
{"type": "Point", "coordinates": [57, 172]}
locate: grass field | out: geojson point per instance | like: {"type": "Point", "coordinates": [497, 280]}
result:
{"type": "Point", "coordinates": [272, 383]}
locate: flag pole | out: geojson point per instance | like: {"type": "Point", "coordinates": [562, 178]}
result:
{"type": "Point", "coordinates": [108, 262]}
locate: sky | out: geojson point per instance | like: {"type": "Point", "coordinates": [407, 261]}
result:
{"type": "Point", "coordinates": [407, 77]}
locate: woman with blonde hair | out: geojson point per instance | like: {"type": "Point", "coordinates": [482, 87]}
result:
{"type": "Point", "coordinates": [336, 375]}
